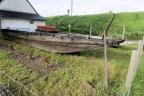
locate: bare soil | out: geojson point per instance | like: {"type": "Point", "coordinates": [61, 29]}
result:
{"type": "Point", "coordinates": [34, 63]}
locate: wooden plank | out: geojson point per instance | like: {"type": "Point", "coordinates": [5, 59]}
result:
{"type": "Point", "coordinates": [64, 40]}
{"type": "Point", "coordinates": [55, 47]}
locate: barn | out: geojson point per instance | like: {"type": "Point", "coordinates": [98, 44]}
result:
{"type": "Point", "coordinates": [19, 15]}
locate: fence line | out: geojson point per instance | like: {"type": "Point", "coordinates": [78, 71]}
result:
{"type": "Point", "coordinates": [139, 56]}
{"type": "Point", "coordinates": [15, 82]}
{"type": "Point", "coordinates": [138, 59]}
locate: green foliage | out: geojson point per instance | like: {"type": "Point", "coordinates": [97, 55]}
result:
{"type": "Point", "coordinates": [134, 23]}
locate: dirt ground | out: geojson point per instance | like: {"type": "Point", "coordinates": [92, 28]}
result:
{"type": "Point", "coordinates": [33, 62]}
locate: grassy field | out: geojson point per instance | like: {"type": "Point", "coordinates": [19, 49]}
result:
{"type": "Point", "coordinates": [80, 75]}
{"type": "Point", "coordinates": [134, 23]}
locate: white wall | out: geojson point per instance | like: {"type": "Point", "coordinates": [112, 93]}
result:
{"type": "Point", "coordinates": [17, 5]}
{"type": "Point", "coordinates": [18, 22]}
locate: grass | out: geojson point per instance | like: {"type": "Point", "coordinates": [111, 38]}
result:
{"type": "Point", "coordinates": [81, 74]}
{"type": "Point", "coordinates": [134, 22]}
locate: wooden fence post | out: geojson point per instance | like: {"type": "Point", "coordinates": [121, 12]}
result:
{"type": "Point", "coordinates": [130, 70]}
{"type": "Point", "coordinates": [123, 34]}
{"type": "Point", "coordinates": [90, 30]}
{"type": "Point", "coordinates": [134, 62]}
{"type": "Point", "coordinates": [105, 63]}
{"type": "Point", "coordinates": [143, 44]}
{"type": "Point", "coordinates": [140, 47]}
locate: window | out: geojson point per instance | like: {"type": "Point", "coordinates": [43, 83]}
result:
{"type": "Point", "coordinates": [31, 22]}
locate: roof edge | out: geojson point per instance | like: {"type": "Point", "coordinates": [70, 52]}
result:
{"type": "Point", "coordinates": [32, 6]}
{"type": "Point", "coordinates": [19, 15]}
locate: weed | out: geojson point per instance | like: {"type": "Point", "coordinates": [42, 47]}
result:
{"type": "Point", "coordinates": [30, 54]}
{"type": "Point", "coordinates": [46, 61]}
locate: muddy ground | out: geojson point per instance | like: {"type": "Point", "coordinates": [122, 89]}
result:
{"type": "Point", "coordinates": [40, 64]}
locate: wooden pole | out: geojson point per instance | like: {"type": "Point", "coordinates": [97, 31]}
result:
{"type": "Point", "coordinates": [90, 30]}
{"type": "Point", "coordinates": [130, 70]}
{"type": "Point", "coordinates": [105, 63]}
{"type": "Point", "coordinates": [89, 36]}
{"type": "Point", "coordinates": [69, 26]}
{"type": "Point", "coordinates": [140, 47]}
{"type": "Point", "coordinates": [134, 63]}
{"type": "Point", "coordinates": [143, 43]}
{"type": "Point", "coordinates": [123, 35]}
{"type": "Point", "coordinates": [106, 31]}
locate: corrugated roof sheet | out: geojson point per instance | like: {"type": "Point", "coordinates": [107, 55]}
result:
{"type": "Point", "coordinates": [20, 15]}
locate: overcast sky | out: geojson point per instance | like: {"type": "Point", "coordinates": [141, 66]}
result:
{"type": "Point", "coordinates": [82, 7]}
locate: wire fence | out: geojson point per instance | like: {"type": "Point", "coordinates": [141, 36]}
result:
{"type": "Point", "coordinates": [11, 87]}
{"type": "Point", "coordinates": [138, 60]}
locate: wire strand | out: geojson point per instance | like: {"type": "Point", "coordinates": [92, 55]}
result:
{"type": "Point", "coordinates": [18, 83]}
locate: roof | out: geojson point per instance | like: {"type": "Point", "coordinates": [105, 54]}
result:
{"type": "Point", "coordinates": [32, 6]}
{"type": "Point", "coordinates": [20, 15]}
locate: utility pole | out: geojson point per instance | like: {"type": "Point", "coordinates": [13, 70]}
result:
{"type": "Point", "coordinates": [85, 12]}
{"type": "Point", "coordinates": [71, 7]}
{"type": "Point", "coordinates": [68, 11]}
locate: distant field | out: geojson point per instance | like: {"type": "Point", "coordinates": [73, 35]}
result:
{"type": "Point", "coordinates": [79, 75]}
{"type": "Point", "coordinates": [134, 23]}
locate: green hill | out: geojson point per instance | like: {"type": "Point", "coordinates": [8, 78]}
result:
{"type": "Point", "coordinates": [134, 23]}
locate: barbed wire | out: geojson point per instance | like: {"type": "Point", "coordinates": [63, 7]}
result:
{"type": "Point", "coordinates": [8, 91]}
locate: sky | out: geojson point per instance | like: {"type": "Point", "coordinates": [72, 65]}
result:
{"type": "Point", "coordinates": [84, 7]}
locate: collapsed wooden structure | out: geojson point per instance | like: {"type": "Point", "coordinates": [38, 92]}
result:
{"type": "Point", "coordinates": [58, 42]}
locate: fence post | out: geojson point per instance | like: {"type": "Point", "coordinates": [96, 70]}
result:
{"type": "Point", "coordinates": [140, 47]}
{"type": "Point", "coordinates": [134, 63]}
{"type": "Point", "coordinates": [123, 34]}
{"type": "Point", "coordinates": [90, 30]}
{"type": "Point", "coordinates": [105, 63]}
{"type": "Point", "coordinates": [69, 26]}
{"type": "Point", "coordinates": [130, 70]}
{"type": "Point", "coordinates": [143, 43]}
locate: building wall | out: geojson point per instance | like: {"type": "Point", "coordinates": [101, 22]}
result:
{"type": "Point", "coordinates": [5, 23]}
{"type": "Point", "coordinates": [17, 5]}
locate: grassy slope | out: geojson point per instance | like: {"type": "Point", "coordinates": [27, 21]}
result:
{"type": "Point", "coordinates": [80, 75]}
{"type": "Point", "coordinates": [134, 24]}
